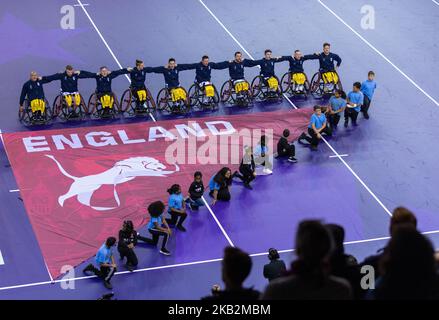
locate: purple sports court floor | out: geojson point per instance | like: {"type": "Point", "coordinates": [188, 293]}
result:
{"type": "Point", "coordinates": [356, 180]}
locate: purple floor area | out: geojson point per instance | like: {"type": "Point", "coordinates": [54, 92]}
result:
{"type": "Point", "coordinates": [393, 153]}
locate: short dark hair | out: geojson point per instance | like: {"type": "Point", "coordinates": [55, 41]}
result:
{"type": "Point", "coordinates": [273, 254]}
{"type": "Point", "coordinates": [317, 107]}
{"type": "Point", "coordinates": [174, 188]}
{"type": "Point", "coordinates": [103, 67]}
{"type": "Point", "coordinates": [110, 241]}
{"type": "Point", "coordinates": [297, 50]}
{"type": "Point", "coordinates": [138, 62]}
{"type": "Point", "coordinates": [238, 52]}
{"type": "Point", "coordinates": [237, 264]}
{"type": "Point", "coordinates": [156, 208]}
{"type": "Point", "coordinates": [337, 232]}
{"type": "Point", "coordinates": [286, 133]}
{"type": "Point", "coordinates": [313, 242]}
{"type": "Point", "coordinates": [357, 85]}
{"type": "Point", "coordinates": [402, 216]}
{"type": "Point", "coordinates": [326, 44]}
{"type": "Point", "coordinates": [69, 67]}
{"type": "Point", "coordinates": [371, 73]}
{"type": "Point", "coordinates": [171, 59]}
{"type": "Point", "coordinates": [204, 57]}
{"type": "Point", "coordinates": [267, 50]}
{"type": "Point", "coordinates": [198, 174]}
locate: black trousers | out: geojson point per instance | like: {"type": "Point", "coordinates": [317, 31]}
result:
{"type": "Point", "coordinates": [246, 173]}
{"type": "Point", "coordinates": [313, 140]}
{"type": "Point", "coordinates": [223, 194]}
{"type": "Point", "coordinates": [366, 105]}
{"type": "Point", "coordinates": [333, 119]}
{"type": "Point", "coordinates": [177, 218]}
{"type": "Point", "coordinates": [129, 254]}
{"type": "Point", "coordinates": [288, 151]}
{"type": "Point", "coordinates": [105, 273]}
{"type": "Point", "coordinates": [155, 237]}
{"type": "Point", "coordinates": [350, 113]}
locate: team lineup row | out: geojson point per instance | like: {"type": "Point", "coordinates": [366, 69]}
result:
{"type": "Point", "coordinates": [137, 100]}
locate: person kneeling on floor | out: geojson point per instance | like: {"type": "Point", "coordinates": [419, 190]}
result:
{"type": "Point", "coordinates": [126, 244]}
{"type": "Point", "coordinates": [196, 190]}
{"type": "Point", "coordinates": [176, 207]}
{"type": "Point", "coordinates": [285, 148]}
{"type": "Point", "coordinates": [157, 226]}
{"type": "Point", "coordinates": [247, 168]}
{"type": "Point", "coordinates": [219, 185]}
{"type": "Point", "coordinates": [316, 127]}
{"type": "Point", "coordinates": [105, 260]}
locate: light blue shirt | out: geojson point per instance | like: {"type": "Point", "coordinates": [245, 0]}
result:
{"type": "Point", "coordinates": [104, 255]}
{"type": "Point", "coordinates": [151, 223]}
{"type": "Point", "coordinates": [259, 150]}
{"type": "Point", "coordinates": [368, 88]}
{"type": "Point", "coordinates": [318, 121]}
{"type": "Point", "coordinates": [213, 185]}
{"type": "Point", "coordinates": [337, 103]}
{"type": "Point", "coordinates": [175, 201]}
{"type": "Point", "coordinates": [357, 98]}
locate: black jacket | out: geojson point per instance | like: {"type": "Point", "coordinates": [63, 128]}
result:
{"type": "Point", "coordinates": [196, 190]}
{"type": "Point", "coordinates": [126, 238]}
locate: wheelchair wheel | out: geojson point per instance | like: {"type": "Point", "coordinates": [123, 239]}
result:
{"type": "Point", "coordinates": [316, 86]}
{"type": "Point", "coordinates": [162, 99]}
{"type": "Point", "coordinates": [194, 93]}
{"type": "Point", "coordinates": [25, 115]}
{"type": "Point", "coordinates": [126, 102]}
{"type": "Point", "coordinates": [257, 88]}
{"type": "Point", "coordinates": [226, 92]}
{"type": "Point", "coordinates": [285, 82]}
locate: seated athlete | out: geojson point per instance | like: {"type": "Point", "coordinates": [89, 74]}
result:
{"type": "Point", "coordinates": [316, 127]}
{"type": "Point", "coordinates": [354, 102]}
{"type": "Point", "coordinates": [247, 168]}
{"type": "Point", "coordinates": [138, 77]}
{"type": "Point", "coordinates": [34, 92]}
{"type": "Point", "coordinates": [170, 73]}
{"type": "Point", "coordinates": [69, 85]}
{"type": "Point", "coordinates": [329, 62]}
{"type": "Point", "coordinates": [286, 148]}
{"type": "Point", "coordinates": [267, 69]}
{"type": "Point", "coordinates": [296, 61]}
{"type": "Point", "coordinates": [337, 105]}
{"type": "Point", "coordinates": [236, 72]}
{"type": "Point", "coordinates": [219, 185]}
{"type": "Point", "coordinates": [103, 85]}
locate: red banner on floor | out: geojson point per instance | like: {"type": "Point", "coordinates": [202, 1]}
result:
{"type": "Point", "coordinates": [79, 184]}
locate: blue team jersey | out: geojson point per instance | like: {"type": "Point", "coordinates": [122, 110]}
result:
{"type": "Point", "coordinates": [213, 185]}
{"type": "Point", "coordinates": [337, 103]}
{"type": "Point", "coordinates": [357, 98]}
{"type": "Point", "coordinates": [175, 201]}
{"type": "Point", "coordinates": [104, 255]}
{"type": "Point", "coordinates": [368, 88]}
{"type": "Point", "coordinates": [151, 223]}
{"type": "Point", "coordinates": [318, 121]}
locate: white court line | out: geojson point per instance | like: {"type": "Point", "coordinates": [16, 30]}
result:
{"type": "Point", "coordinates": [2, 261]}
{"type": "Point", "coordinates": [152, 117]}
{"type": "Point", "coordinates": [435, 2]}
{"type": "Point", "coordinates": [341, 155]}
{"type": "Point", "coordinates": [295, 107]}
{"type": "Point", "coordinates": [186, 264]}
{"type": "Point", "coordinates": [381, 54]}
{"type": "Point", "coordinates": [84, 4]}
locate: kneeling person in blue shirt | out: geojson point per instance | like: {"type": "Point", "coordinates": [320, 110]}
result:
{"type": "Point", "coordinates": [316, 127]}
{"type": "Point", "coordinates": [177, 207]}
{"type": "Point", "coordinates": [353, 105]}
{"type": "Point", "coordinates": [105, 260]}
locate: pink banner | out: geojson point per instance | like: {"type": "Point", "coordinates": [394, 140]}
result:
{"type": "Point", "coordinates": [79, 184]}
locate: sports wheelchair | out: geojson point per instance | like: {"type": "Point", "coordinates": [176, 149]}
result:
{"type": "Point", "coordinates": [236, 92]}
{"type": "Point", "coordinates": [324, 84]}
{"type": "Point", "coordinates": [203, 96]}
{"type": "Point", "coordinates": [29, 118]}
{"type": "Point", "coordinates": [103, 106]}
{"type": "Point", "coordinates": [173, 101]}
{"type": "Point", "coordinates": [137, 103]}
{"type": "Point", "coordinates": [69, 107]}
{"type": "Point", "coordinates": [295, 84]}
{"type": "Point", "coordinates": [266, 88]}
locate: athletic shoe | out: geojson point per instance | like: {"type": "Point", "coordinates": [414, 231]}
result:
{"type": "Point", "coordinates": [302, 137]}
{"type": "Point", "coordinates": [181, 228]}
{"type": "Point", "coordinates": [292, 159]}
{"type": "Point", "coordinates": [314, 148]}
{"type": "Point", "coordinates": [108, 285]}
{"type": "Point", "coordinates": [129, 267]}
{"type": "Point", "coordinates": [267, 171]}
{"type": "Point", "coordinates": [366, 115]}
{"type": "Point", "coordinates": [248, 186]}
{"type": "Point", "coordinates": [165, 251]}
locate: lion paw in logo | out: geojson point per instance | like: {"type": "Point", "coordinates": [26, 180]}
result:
{"type": "Point", "coordinates": [122, 171]}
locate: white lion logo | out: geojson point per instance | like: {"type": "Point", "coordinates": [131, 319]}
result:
{"type": "Point", "coordinates": [122, 171]}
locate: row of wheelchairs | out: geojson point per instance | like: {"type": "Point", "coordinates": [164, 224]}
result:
{"type": "Point", "coordinates": [177, 100]}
